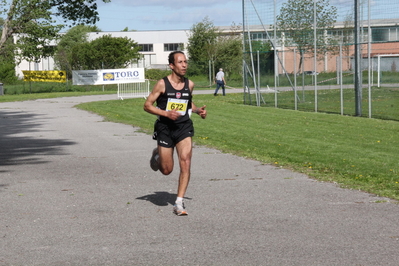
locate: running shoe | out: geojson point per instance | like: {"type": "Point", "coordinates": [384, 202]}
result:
{"type": "Point", "coordinates": [179, 209]}
{"type": "Point", "coordinates": [154, 160]}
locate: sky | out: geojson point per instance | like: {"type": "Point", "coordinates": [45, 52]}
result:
{"type": "Point", "coordinates": [183, 14]}
{"type": "Point", "coordinates": [166, 14]}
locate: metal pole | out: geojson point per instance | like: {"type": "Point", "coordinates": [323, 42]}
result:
{"type": "Point", "coordinates": [378, 70]}
{"type": "Point", "coordinates": [275, 52]}
{"type": "Point", "coordinates": [295, 91]}
{"type": "Point", "coordinates": [260, 94]}
{"type": "Point", "coordinates": [209, 73]}
{"type": "Point", "coordinates": [369, 59]}
{"type": "Point", "coordinates": [358, 86]}
{"type": "Point", "coordinates": [340, 80]}
{"type": "Point", "coordinates": [315, 54]}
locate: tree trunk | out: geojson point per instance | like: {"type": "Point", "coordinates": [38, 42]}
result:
{"type": "Point", "coordinates": [7, 32]}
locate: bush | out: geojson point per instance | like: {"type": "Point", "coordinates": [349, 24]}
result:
{"type": "Point", "coordinates": [156, 74]}
{"type": "Point", "coordinates": [7, 73]}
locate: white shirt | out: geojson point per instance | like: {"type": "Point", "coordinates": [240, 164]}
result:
{"type": "Point", "coordinates": [220, 75]}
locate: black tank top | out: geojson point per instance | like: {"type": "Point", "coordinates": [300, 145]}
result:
{"type": "Point", "coordinates": [172, 99]}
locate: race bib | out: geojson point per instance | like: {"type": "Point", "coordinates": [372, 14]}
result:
{"type": "Point", "coordinates": [179, 104]}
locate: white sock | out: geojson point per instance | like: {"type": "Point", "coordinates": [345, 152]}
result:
{"type": "Point", "coordinates": [179, 200]}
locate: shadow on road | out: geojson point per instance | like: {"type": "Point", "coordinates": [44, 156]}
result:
{"type": "Point", "coordinates": [16, 144]}
{"type": "Point", "coordinates": [160, 198]}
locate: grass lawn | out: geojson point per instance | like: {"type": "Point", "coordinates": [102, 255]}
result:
{"type": "Point", "coordinates": [357, 153]}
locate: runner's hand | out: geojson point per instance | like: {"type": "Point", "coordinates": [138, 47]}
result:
{"type": "Point", "coordinates": [173, 114]}
{"type": "Point", "coordinates": [202, 112]}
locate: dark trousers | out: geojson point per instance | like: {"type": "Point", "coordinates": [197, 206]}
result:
{"type": "Point", "coordinates": [220, 83]}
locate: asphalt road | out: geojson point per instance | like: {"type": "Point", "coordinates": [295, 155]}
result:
{"type": "Point", "coordinates": [75, 190]}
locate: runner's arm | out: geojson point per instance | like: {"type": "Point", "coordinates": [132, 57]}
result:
{"type": "Point", "coordinates": [149, 107]}
{"type": "Point", "coordinates": [198, 110]}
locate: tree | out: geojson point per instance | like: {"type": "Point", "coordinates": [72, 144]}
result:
{"type": "Point", "coordinates": [73, 37]}
{"type": "Point", "coordinates": [105, 52]}
{"type": "Point", "coordinates": [202, 45]}
{"type": "Point", "coordinates": [7, 64]}
{"type": "Point", "coordinates": [296, 21]}
{"type": "Point", "coordinates": [34, 22]}
{"type": "Point", "coordinates": [266, 56]}
{"type": "Point", "coordinates": [229, 51]}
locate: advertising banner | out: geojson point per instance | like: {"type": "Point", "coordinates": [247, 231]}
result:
{"type": "Point", "coordinates": [107, 76]}
{"type": "Point", "coordinates": [45, 76]}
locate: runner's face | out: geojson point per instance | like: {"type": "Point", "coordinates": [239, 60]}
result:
{"type": "Point", "coordinates": [180, 65]}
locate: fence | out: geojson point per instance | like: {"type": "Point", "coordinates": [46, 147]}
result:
{"type": "Point", "coordinates": [134, 90]}
{"type": "Point", "coordinates": [325, 56]}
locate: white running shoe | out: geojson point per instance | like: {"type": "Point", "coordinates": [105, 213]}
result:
{"type": "Point", "coordinates": [179, 209]}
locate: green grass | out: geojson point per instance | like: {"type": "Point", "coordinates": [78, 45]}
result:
{"type": "Point", "coordinates": [384, 104]}
{"type": "Point", "coordinates": [354, 152]}
{"type": "Point", "coordinates": [329, 78]}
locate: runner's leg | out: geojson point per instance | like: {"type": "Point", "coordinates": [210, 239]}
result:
{"type": "Point", "coordinates": [184, 152]}
{"type": "Point", "coordinates": [165, 160]}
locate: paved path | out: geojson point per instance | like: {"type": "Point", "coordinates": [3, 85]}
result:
{"type": "Point", "coordinates": [75, 190]}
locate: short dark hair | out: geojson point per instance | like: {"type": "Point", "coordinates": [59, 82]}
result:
{"type": "Point", "coordinates": [171, 57]}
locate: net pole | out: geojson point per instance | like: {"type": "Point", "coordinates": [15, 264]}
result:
{"type": "Point", "coordinates": [368, 57]}
{"type": "Point", "coordinates": [315, 54]}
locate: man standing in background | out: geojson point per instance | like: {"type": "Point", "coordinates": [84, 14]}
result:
{"type": "Point", "coordinates": [220, 82]}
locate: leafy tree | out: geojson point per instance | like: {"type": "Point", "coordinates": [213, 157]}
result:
{"type": "Point", "coordinates": [7, 64]}
{"type": "Point", "coordinates": [202, 45]}
{"type": "Point", "coordinates": [266, 56]}
{"type": "Point", "coordinates": [34, 22]}
{"type": "Point", "coordinates": [105, 52]}
{"type": "Point", "coordinates": [73, 37]}
{"type": "Point", "coordinates": [229, 51]}
{"type": "Point", "coordinates": [296, 21]}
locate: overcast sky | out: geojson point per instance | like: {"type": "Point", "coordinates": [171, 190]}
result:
{"type": "Point", "coordinates": [182, 14]}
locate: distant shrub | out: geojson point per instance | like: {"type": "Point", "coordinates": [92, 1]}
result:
{"type": "Point", "coordinates": [156, 74]}
{"type": "Point", "coordinates": [7, 73]}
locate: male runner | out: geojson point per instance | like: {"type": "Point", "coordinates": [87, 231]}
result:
{"type": "Point", "coordinates": [174, 128]}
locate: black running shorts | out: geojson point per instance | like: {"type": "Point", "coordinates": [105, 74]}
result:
{"type": "Point", "coordinates": [168, 135]}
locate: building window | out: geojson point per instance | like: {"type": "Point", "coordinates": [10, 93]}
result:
{"type": "Point", "coordinates": [258, 36]}
{"type": "Point", "coordinates": [393, 34]}
{"type": "Point", "coordinates": [146, 48]}
{"type": "Point", "coordinates": [380, 35]}
{"type": "Point", "coordinates": [168, 47]}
